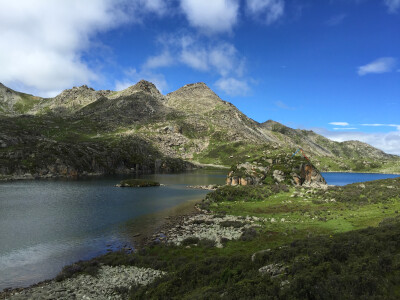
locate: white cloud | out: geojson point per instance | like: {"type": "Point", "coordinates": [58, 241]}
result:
{"type": "Point", "coordinates": [233, 86]}
{"type": "Point", "coordinates": [345, 128]}
{"type": "Point", "coordinates": [225, 58]}
{"type": "Point", "coordinates": [393, 5]}
{"type": "Point", "coordinates": [195, 58]}
{"type": "Point", "coordinates": [381, 65]}
{"type": "Point", "coordinates": [204, 55]}
{"type": "Point", "coordinates": [132, 76]}
{"type": "Point", "coordinates": [268, 11]}
{"type": "Point", "coordinates": [211, 17]}
{"type": "Point", "coordinates": [159, 7]}
{"type": "Point", "coordinates": [43, 41]}
{"type": "Point", "coordinates": [336, 20]}
{"type": "Point", "coordinates": [388, 142]}
{"type": "Point", "coordinates": [283, 105]}
{"type": "Point", "coordinates": [383, 125]}
{"type": "Point", "coordinates": [339, 123]}
{"type": "Point", "coordinates": [163, 60]}
{"type": "Point", "coordinates": [218, 57]}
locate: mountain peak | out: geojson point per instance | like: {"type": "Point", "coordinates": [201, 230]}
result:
{"type": "Point", "coordinates": [145, 85]}
{"type": "Point", "coordinates": [199, 89]}
{"type": "Point", "coordinates": [75, 92]}
{"type": "Point", "coordinates": [142, 86]}
{"type": "Point", "coordinates": [196, 85]}
{"type": "Point", "coordinates": [195, 97]}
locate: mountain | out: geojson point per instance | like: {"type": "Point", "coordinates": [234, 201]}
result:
{"type": "Point", "coordinates": [85, 131]}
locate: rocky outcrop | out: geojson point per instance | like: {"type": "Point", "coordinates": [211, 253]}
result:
{"type": "Point", "coordinates": [72, 100]}
{"type": "Point", "coordinates": [294, 171]}
{"type": "Point", "coordinates": [310, 176]}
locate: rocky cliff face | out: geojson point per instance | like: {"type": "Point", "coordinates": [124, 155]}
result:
{"type": "Point", "coordinates": [272, 170]}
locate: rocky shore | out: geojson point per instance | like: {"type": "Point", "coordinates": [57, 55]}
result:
{"type": "Point", "coordinates": [211, 187]}
{"type": "Point", "coordinates": [110, 283]}
{"type": "Point", "coordinates": [214, 229]}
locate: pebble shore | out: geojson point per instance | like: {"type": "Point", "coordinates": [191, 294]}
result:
{"type": "Point", "coordinates": [110, 283]}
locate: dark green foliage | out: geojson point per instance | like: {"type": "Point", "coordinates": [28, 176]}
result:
{"type": "Point", "coordinates": [269, 180]}
{"type": "Point", "coordinates": [138, 183]}
{"type": "Point", "coordinates": [244, 193]}
{"type": "Point", "coordinates": [239, 193]}
{"type": "Point", "coordinates": [206, 243]}
{"type": "Point", "coordinates": [277, 188]}
{"type": "Point", "coordinates": [362, 264]}
{"type": "Point", "coordinates": [248, 234]}
{"type": "Point", "coordinates": [82, 267]}
{"type": "Point", "coordinates": [369, 192]}
{"type": "Point", "coordinates": [190, 241]}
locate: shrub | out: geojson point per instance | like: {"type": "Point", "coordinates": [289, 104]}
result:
{"type": "Point", "coordinates": [190, 241]}
{"type": "Point", "coordinates": [248, 234]}
{"type": "Point", "coordinates": [206, 243]}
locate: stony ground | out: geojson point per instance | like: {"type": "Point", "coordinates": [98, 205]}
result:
{"type": "Point", "coordinates": [206, 226]}
{"type": "Point", "coordinates": [110, 283]}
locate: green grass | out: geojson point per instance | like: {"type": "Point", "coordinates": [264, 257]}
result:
{"type": "Point", "coordinates": [353, 207]}
{"type": "Point", "coordinates": [26, 103]}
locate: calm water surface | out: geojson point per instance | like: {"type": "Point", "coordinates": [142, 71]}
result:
{"type": "Point", "coordinates": [347, 178]}
{"type": "Point", "coordinates": [46, 224]}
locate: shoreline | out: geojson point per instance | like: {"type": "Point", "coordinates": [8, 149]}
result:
{"type": "Point", "coordinates": [149, 224]}
{"type": "Point", "coordinates": [7, 178]}
{"type": "Point", "coordinates": [28, 176]}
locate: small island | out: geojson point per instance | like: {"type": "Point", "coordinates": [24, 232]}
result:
{"type": "Point", "coordinates": [137, 183]}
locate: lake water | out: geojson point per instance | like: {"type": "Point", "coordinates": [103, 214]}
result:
{"type": "Point", "coordinates": [46, 224]}
{"type": "Point", "coordinates": [347, 178]}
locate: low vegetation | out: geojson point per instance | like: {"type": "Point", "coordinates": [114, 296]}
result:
{"type": "Point", "coordinates": [339, 243]}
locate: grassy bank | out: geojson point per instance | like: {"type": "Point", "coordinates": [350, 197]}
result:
{"type": "Point", "coordinates": [339, 243]}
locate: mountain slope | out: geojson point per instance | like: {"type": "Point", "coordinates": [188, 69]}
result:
{"type": "Point", "coordinates": [15, 103]}
{"type": "Point", "coordinates": [127, 127]}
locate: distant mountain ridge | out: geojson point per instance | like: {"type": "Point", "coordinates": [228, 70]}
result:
{"type": "Point", "coordinates": [192, 123]}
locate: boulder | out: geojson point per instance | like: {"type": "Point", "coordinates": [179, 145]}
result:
{"type": "Point", "coordinates": [273, 270]}
{"type": "Point", "coordinates": [278, 175]}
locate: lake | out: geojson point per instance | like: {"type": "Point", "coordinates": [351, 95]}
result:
{"type": "Point", "coordinates": [46, 224]}
{"type": "Point", "coordinates": [337, 178]}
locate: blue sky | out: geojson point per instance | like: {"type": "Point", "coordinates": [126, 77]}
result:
{"type": "Point", "coordinates": [331, 66]}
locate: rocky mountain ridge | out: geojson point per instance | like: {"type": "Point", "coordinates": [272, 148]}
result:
{"type": "Point", "coordinates": [192, 123]}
